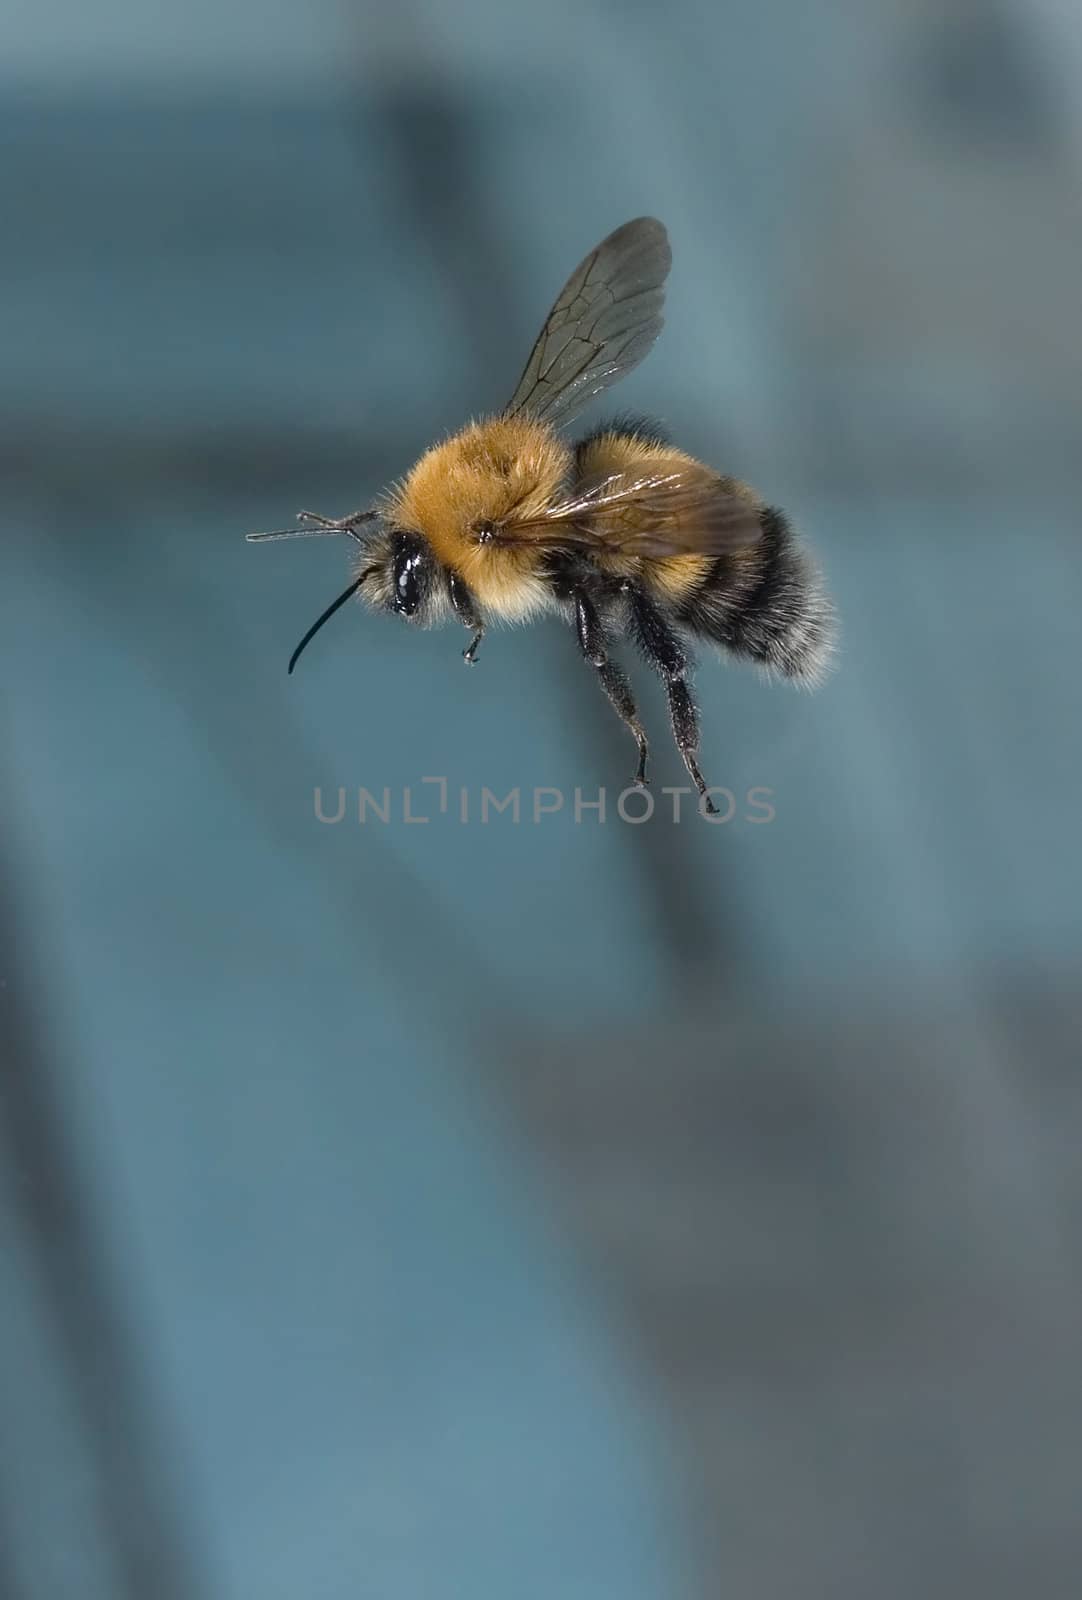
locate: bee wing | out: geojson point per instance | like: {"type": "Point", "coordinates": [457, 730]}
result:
{"type": "Point", "coordinates": [654, 514]}
{"type": "Point", "coordinates": [605, 320]}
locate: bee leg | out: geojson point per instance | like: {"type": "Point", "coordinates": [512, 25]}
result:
{"type": "Point", "coordinates": [467, 612]}
{"type": "Point", "coordinates": [591, 636]}
{"type": "Point", "coordinates": [663, 649]}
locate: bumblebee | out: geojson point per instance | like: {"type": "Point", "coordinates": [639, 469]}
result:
{"type": "Point", "coordinates": [621, 533]}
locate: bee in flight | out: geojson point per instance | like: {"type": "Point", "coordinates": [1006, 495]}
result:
{"type": "Point", "coordinates": [621, 533]}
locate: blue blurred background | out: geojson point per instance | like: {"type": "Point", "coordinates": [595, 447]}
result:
{"type": "Point", "coordinates": [567, 1208]}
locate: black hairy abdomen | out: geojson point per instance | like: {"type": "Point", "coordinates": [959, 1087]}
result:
{"type": "Point", "coordinates": [765, 604]}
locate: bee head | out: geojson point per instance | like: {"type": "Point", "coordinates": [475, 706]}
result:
{"type": "Point", "coordinates": [401, 574]}
{"type": "Point", "coordinates": [395, 569]}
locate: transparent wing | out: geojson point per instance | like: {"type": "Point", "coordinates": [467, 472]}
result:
{"type": "Point", "coordinates": [653, 514]}
{"type": "Point", "coordinates": [604, 322]}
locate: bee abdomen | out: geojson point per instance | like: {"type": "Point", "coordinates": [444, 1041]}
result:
{"type": "Point", "coordinates": [626, 427]}
{"type": "Point", "coordinates": [767, 604]}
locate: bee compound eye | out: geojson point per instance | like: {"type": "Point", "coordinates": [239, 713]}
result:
{"type": "Point", "coordinates": [406, 579]}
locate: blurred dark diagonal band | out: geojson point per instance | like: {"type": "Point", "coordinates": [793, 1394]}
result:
{"type": "Point", "coordinates": [135, 1480]}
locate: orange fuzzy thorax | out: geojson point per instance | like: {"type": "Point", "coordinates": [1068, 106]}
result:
{"type": "Point", "coordinates": [494, 470]}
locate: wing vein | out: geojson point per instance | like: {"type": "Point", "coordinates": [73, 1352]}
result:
{"type": "Point", "coordinates": [611, 307]}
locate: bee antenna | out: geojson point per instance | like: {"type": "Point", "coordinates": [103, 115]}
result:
{"type": "Point", "coordinates": [313, 527]}
{"type": "Point", "coordinates": [330, 611]}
